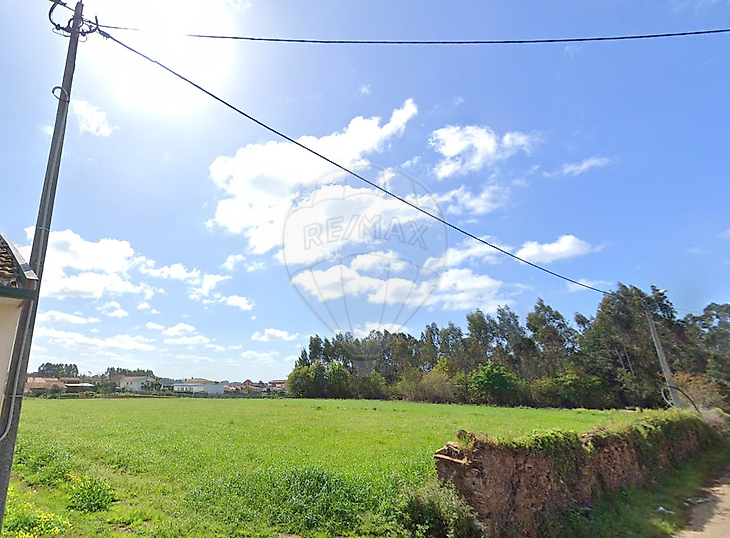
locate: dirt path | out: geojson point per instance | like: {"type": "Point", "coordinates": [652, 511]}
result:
{"type": "Point", "coordinates": [710, 518]}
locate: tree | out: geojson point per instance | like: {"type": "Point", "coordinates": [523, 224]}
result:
{"type": "Point", "coordinates": [554, 338]}
{"type": "Point", "coordinates": [48, 369]}
{"type": "Point", "coordinates": [482, 333]}
{"type": "Point", "coordinates": [453, 347]}
{"type": "Point", "coordinates": [106, 387]}
{"type": "Point", "coordinates": [338, 381]}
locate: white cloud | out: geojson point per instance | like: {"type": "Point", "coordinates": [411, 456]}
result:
{"type": "Point", "coordinates": [462, 289]}
{"type": "Point", "coordinates": [361, 331]}
{"type": "Point", "coordinates": [273, 335]}
{"type": "Point", "coordinates": [336, 217]}
{"type": "Point", "coordinates": [411, 162]}
{"type": "Point", "coordinates": [725, 234]}
{"type": "Point", "coordinates": [574, 169]}
{"type": "Point", "coordinates": [72, 340]}
{"type": "Point", "coordinates": [259, 181]}
{"type": "Point", "coordinates": [179, 330]}
{"type": "Point", "coordinates": [600, 284]}
{"type": "Point", "coordinates": [240, 302]}
{"type": "Point", "coordinates": [471, 148]}
{"type": "Point", "coordinates": [469, 251]}
{"type": "Point", "coordinates": [365, 89]}
{"type": "Point", "coordinates": [144, 306]}
{"type": "Point", "coordinates": [457, 289]}
{"type": "Point", "coordinates": [262, 358]}
{"type": "Point", "coordinates": [175, 271]}
{"type": "Point", "coordinates": [114, 310]}
{"type": "Point", "coordinates": [47, 129]}
{"type": "Point", "coordinates": [154, 326]}
{"type": "Point", "coordinates": [54, 316]}
{"type": "Point", "coordinates": [255, 266]}
{"type": "Point", "coordinates": [567, 246]}
{"type": "Point", "coordinates": [462, 201]}
{"type": "Point", "coordinates": [232, 261]}
{"type": "Point", "coordinates": [208, 284]}
{"type": "Point", "coordinates": [194, 358]}
{"type": "Point", "coordinates": [198, 339]}
{"type": "Point", "coordinates": [100, 267]}
{"type": "Point", "coordinates": [92, 119]}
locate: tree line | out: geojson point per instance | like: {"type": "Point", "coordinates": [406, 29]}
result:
{"type": "Point", "coordinates": [605, 360]}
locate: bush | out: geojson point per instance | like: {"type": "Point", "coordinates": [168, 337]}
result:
{"type": "Point", "coordinates": [705, 393]}
{"type": "Point", "coordinates": [90, 494]}
{"type": "Point", "coordinates": [437, 511]}
{"type": "Point", "coordinates": [436, 387]}
{"type": "Point", "coordinates": [493, 384]}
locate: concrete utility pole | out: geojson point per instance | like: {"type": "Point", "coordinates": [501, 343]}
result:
{"type": "Point", "coordinates": [663, 361]}
{"type": "Point", "coordinates": [10, 414]}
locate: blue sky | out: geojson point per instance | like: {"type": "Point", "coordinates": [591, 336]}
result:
{"type": "Point", "coordinates": [188, 240]}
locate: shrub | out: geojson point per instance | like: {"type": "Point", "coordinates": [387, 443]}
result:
{"type": "Point", "coordinates": [492, 384]}
{"type": "Point", "coordinates": [436, 387]}
{"type": "Point", "coordinates": [90, 494]}
{"type": "Point", "coordinates": [437, 511]}
{"type": "Point", "coordinates": [705, 393]}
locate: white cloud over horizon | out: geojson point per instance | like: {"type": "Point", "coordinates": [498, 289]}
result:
{"type": "Point", "coordinates": [54, 316]}
{"type": "Point", "coordinates": [270, 335]}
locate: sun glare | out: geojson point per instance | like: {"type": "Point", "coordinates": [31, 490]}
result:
{"type": "Point", "coordinates": [136, 82]}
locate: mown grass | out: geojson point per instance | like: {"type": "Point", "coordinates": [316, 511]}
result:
{"type": "Point", "coordinates": [195, 467]}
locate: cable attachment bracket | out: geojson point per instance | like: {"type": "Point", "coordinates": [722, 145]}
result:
{"type": "Point", "coordinates": [62, 94]}
{"type": "Point", "coordinates": [57, 28]}
{"type": "Point", "coordinates": [89, 27]}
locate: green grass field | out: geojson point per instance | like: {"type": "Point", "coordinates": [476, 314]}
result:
{"type": "Point", "coordinates": [205, 467]}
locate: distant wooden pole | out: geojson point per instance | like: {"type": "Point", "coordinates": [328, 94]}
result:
{"type": "Point", "coordinates": [663, 361]}
{"type": "Point", "coordinates": [10, 413]}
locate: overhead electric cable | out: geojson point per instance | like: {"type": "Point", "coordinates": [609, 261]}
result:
{"type": "Point", "coordinates": [538, 41]}
{"type": "Point", "coordinates": [345, 169]}
{"type": "Point", "coordinates": [466, 41]}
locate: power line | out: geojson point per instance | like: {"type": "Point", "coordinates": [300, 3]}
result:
{"type": "Point", "coordinates": [466, 41]}
{"type": "Point", "coordinates": [348, 171]}
{"type": "Point", "coordinates": [629, 37]}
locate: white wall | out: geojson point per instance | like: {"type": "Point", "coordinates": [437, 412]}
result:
{"type": "Point", "coordinates": [9, 315]}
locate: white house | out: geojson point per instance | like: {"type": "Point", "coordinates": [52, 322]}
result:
{"type": "Point", "coordinates": [136, 383]}
{"type": "Point", "coordinates": [197, 385]}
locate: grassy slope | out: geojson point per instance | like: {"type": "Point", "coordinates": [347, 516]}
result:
{"type": "Point", "coordinates": [157, 453]}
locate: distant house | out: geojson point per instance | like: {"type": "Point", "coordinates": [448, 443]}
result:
{"type": "Point", "coordinates": [136, 383]}
{"type": "Point", "coordinates": [278, 384]}
{"type": "Point", "coordinates": [37, 386]}
{"type": "Point", "coordinates": [198, 385]}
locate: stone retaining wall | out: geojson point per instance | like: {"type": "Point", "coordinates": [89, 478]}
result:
{"type": "Point", "coordinates": [517, 487]}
